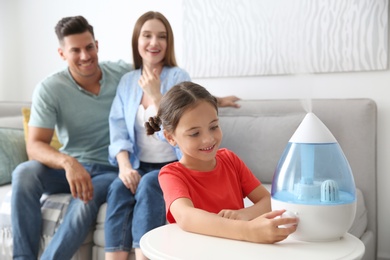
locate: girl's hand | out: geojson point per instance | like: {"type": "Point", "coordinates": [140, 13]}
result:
{"type": "Point", "coordinates": [268, 229]}
{"type": "Point", "coordinates": [150, 84]}
{"type": "Point", "coordinates": [130, 178]}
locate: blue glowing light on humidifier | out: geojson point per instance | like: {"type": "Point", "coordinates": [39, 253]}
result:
{"type": "Point", "coordinates": [313, 181]}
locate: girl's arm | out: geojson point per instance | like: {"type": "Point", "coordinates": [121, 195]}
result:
{"type": "Point", "coordinates": [263, 229]}
{"type": "Point", "coordinates": [261, 199]}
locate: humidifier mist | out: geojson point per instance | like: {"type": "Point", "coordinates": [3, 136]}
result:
{"type": "Point", "coordinates": [313, 181]}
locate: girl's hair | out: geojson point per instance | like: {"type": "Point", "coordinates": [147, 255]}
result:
{"type": "Point", "coordinates": [169, 59]}
{"type": "Point", "coordinates": [72, 25]}
{"type": "Point", "coordinates": [175, 102]}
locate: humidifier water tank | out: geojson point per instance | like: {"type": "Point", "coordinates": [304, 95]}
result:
{"type": "Point", "coordinates": [313, 181]}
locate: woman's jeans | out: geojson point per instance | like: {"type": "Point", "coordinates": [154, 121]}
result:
{"type": "Point", "coordinates": [30, 180]}
{"type": "Point", "coordinates": [129, 216]}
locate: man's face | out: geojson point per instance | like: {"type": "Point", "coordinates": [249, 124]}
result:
{"type": "Point", "coordinates": [80, 51]}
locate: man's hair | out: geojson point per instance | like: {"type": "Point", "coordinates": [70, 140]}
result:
{"type": "Point", "coordinates": [72, 25]}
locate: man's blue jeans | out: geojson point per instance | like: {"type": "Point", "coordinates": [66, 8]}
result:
{"type": "Point", "coordinates": [129, 216]}
{"type": "Point", "coordinates": [30, 180]}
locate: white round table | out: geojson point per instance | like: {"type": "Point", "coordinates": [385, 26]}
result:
{"type": "Point", "coordinates": [169, 242]}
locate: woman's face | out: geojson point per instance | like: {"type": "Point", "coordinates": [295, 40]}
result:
{"type": "Point", "coordinates": [152, 42]}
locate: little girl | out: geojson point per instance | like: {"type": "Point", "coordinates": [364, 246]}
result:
{"type": "Point", "coordinates": [204, 191]}
{"type": "Point", "coordinates": [135, 202]}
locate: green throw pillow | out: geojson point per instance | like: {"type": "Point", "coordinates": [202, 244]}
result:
{"type": "Point", "coordinates": [12, 152]}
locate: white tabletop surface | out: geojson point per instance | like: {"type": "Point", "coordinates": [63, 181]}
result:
{"type": "Point", "coordinates": [169, 242]}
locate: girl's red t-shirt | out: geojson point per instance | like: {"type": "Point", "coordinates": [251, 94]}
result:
{"type": "Point", "coordinates": [224, 187]}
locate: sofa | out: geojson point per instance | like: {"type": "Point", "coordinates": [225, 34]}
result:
{"type": "Point", "coordinates": [257, 132]}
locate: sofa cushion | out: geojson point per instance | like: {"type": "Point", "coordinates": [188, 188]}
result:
{"type": "Point", "coordinates": [12, 152]}
{"type": "Point", "coordinates": [53, 210]}
{"type": "Point", "coordinates": [98, 235]}
{"type": "Point", "coordinates": [5, 223]}
{"type": "Point", "coordinates": [258, 135]}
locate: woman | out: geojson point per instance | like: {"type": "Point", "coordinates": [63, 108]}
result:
{"type": "Point", "coordinates": [135, 201]}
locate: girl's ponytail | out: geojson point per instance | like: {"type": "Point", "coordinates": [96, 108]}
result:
{"type": "Point", "coordinates": [153, 125]}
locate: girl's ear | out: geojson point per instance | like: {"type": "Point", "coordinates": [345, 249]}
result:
{"type": "Point", "coordinates": [169, 138]}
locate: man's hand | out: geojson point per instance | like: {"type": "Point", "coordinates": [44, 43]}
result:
{"type": "Point", "coordinates": [229, 101]}
{"type": "Point", "coordinates": [79, 181]}
{"type": "Point", "coordinates": [38, 148]}
{"type": "Point", "coordinates": [130, 178]}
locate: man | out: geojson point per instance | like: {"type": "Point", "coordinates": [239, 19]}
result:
{"type": "Point", "coordinates": [77, 101]}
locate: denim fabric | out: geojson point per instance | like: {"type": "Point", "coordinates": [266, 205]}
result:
{"type": "Point", "coordinates": [30, 180]}
{"type": "Point", "coordinates": [129, 216]}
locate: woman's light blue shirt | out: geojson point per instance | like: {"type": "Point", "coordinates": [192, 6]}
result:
{"type": "Point", "coordinates": [124, 110]}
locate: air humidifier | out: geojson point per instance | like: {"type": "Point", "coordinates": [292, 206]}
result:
{"type": "Point", "coordinates": [313, 182]}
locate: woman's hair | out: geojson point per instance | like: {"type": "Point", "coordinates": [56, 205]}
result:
{"type": "Point", "coordinates": [72, 25]}
{"type": "Point", "coordinates": [175, 102]}
{"type": "Point", "coordinates": [169, 59]}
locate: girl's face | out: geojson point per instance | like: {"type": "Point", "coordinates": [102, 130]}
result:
{"type": "Point", "coordinates": [198, 135]}
{"type": "Point", "coordinates": [152, 42]}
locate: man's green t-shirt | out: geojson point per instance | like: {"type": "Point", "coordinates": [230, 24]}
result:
{"type": "Point", "coordinates": [79, 117]}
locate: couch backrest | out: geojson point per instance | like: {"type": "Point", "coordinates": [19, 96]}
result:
{"type": "Point", "coordinates": [11, 114]}
{"type": "Point", "coordinates": [259, 131]}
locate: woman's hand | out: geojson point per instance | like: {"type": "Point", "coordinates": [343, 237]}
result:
{"type": "Point", "coordinates": [130, 178]}
{"type": "Point", "coordinates": [150, 84]}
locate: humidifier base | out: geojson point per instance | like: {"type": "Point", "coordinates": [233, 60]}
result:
{"type": "Point", "coordinates": [319, 223]}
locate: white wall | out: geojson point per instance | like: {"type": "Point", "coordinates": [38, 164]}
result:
{"type": "Point", "coordinates": [28, 52]}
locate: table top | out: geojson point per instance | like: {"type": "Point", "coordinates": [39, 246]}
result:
{"type": "Point", "coordinates": [170, 242]}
